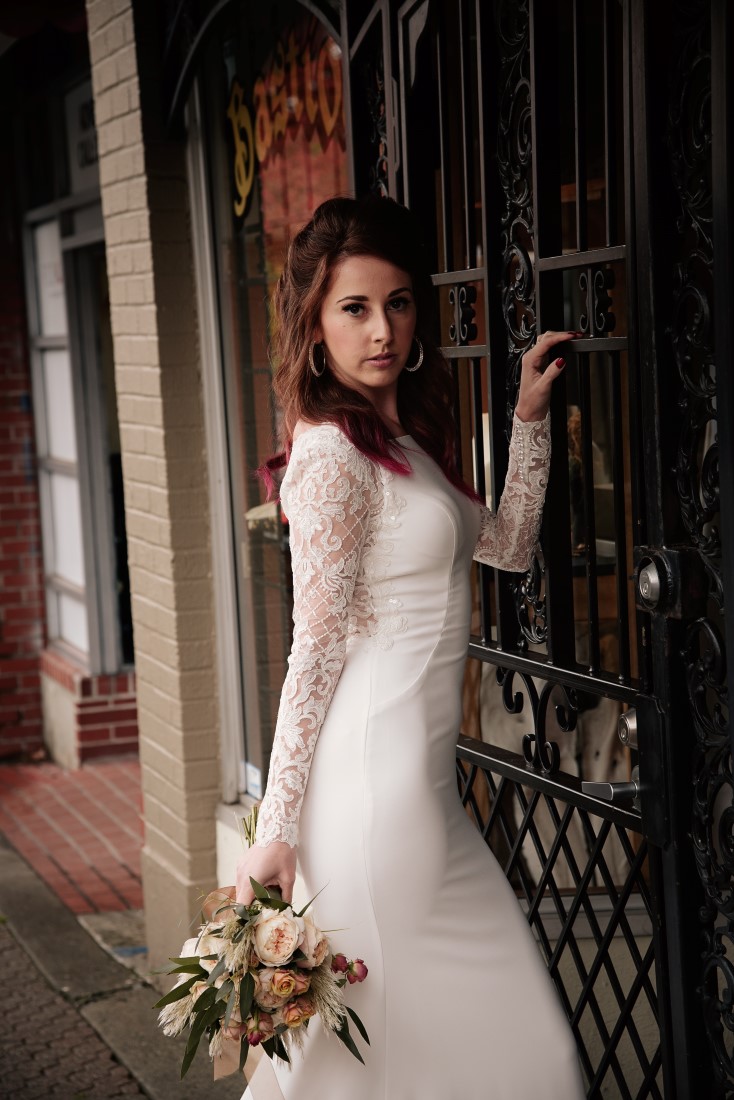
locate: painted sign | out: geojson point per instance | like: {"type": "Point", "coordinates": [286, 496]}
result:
{"type": "Point", "coordinates": [300, 90]}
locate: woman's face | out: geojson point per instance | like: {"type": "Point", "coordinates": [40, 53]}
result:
{"type": "Point", "coordinates": [367, 324]}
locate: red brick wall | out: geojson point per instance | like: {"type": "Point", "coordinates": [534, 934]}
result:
{"type": "Point", "coordinates": [22, 608]}
{"type": "Point", "coordinates": [105, 707]}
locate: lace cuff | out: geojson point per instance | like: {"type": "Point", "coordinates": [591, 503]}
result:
{"type": "Point", "coordinates": [508, 537]}
{"type": "Point", "coordinates": [326, 494]}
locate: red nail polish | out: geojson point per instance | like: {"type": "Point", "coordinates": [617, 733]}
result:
{"type": "Point", "coordinates": [560, 362]}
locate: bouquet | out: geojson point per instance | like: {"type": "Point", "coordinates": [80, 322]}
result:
{"type": "Point", "coordinates": [255, 975]}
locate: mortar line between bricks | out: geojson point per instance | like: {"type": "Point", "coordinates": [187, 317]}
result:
{"type": "Point", "coordinates": [84, 821]}
{"type": "Point", "coordinates": [126, 804]}
{"type": "Point", "coordinates": [52, 859]}
{"type": "Point", "coordinates": [121, 798]}
{"type": "Point", "coordinates": [51, 822]}
{"type": "Point", "coordinates": [86, 859]}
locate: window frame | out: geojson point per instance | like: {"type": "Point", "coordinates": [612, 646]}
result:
{"type": "Point", "coordinates": [98, 594]}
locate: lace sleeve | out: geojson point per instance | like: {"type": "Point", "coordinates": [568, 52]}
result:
{"type": "Point", "coordinates": [326, 494]}
{"type": "Point", "coordinates": [507, 538]}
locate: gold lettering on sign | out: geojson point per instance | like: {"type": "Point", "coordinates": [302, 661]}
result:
{"type": "Point", "coordinates": [299, 88]}
{"type": "Point", "coordinates": [244, 147]}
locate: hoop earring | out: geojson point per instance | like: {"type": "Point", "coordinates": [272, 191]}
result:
{"type": "Point", "coordinates": [418, 362]}
{"type": "Point", "coordinates": [312, 364]}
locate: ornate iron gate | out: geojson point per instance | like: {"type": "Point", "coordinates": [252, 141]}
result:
{"type": "Point", "coordinates": [559, 154]}
{"type": "Point", "coordinates": [571, 161]}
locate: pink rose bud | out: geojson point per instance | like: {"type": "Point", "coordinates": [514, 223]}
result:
{"type": "Point", "coordinates": [339, 964]}
{"type": "Point", "coordinates": [259, 1028]}
{"type": "Point", "coordinates": [357, 971]}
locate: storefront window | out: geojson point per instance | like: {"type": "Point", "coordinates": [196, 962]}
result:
{"type": "Point", "coordinates": [272, 107]}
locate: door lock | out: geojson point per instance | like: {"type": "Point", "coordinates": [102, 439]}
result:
{"type": "Point", "coordinates": [627, 729]}
{"type": "Point", "coordinates": [649, 584]}
{"type": "Point", "coordinates": [619, 794]}
{"type": "Point", "coordinates": [670, 581]}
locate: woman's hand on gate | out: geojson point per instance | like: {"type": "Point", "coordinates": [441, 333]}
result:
{"type": "Point", "coordinates": [273, 865]}
{"type": "Point", "coordinates": [538, 375]}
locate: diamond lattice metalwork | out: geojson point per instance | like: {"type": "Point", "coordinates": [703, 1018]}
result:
{"type": "Point", "coordinates": [583, 883]}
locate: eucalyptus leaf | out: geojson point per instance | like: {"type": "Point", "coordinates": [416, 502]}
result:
{"type": "Point", "coordinates": [224, 990]}
{"type": "Point", "coordinates": [244, 1051]}
{"type": "Point", "coordinates": [247, 992]}
{"type": "Point", "coordinates": [259, 890]}
{"type": "Point", "coordinates": [360, 1026]}
{"type": "Point", "coordinates": [197, 1030]}
{"type": "Point", "coordinates": [205, 1000]}
{"type": "Point", "coordinates": [194, 967]}
{"type": "Point", "coordinates": [343, 1032]}
{"type": "Point", "coordinates": [223, 908]}
{"type": "Point", "coordinates": [177, 993]}
{"type": "Point", "coordinates": [313, 899]}
{"type": "Point", "coordinates": [279, 1048]}
{"type": "Point", "coordinates": [218, 969]}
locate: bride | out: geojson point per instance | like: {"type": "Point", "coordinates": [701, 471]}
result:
{"type": "Point", "coordinates": [361, 791]}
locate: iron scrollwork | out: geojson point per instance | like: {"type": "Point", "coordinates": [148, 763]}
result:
{"type": "Point", "coordinates": [514, 160]}
{"type": "Point", "coordinates": [463, 330]}
{"type": "Point", "coordinates": [595, 284]}
{"type": "Point", "coordinates": [697, 474]}
{"type": "Point", "coordinates": [374, 76]}
{"type": "Point", "coordinates": [515, 163]}
{"type": "Point", "coordinates": [539, 752]}
{"type": "Point", "coordinates": [530, 604]}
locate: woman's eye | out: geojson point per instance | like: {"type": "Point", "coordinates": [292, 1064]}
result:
{"type": "Point", "coordinates": [398, 304]}
{"type": "Point", "coordinates": [353, 309]}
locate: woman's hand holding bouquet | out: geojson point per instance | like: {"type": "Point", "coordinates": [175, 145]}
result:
{"type": "Point", "coordinates": [258, 971]}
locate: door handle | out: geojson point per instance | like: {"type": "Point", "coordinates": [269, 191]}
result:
{"type": "Point", "coordinates": [618, 794]}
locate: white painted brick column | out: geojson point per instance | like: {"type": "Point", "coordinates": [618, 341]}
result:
{"type": "Point", "coordinates": [159, 400]}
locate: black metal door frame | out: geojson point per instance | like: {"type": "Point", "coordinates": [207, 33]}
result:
{"type": "Point", "coordinates": [501, 52]}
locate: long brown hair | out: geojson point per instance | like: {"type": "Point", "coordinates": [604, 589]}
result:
{"type": "Point", "coordinates": [339, 228]}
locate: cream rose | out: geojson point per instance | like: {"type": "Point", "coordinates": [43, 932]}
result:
{"type": "Point", "coordinates": [264, 993]}
{"type": "Point", "coordinates": [283, 982]}
{"type": "Point", "coordinates": [314, 944]}
{"type": "Point", "coordinates": [277, 935]}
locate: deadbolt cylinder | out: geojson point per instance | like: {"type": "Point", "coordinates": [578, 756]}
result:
{"type": "Point", "coordinates": [627, 729]}
{"type": "Point", "coordinates": [649, 584]}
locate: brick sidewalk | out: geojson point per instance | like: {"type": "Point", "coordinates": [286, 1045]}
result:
{"type": "Point", "coordinates": [46, 1048]}
{"type": "Point", "coordinates": [81, 831]}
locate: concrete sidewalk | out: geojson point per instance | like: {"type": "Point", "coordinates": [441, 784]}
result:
{"type": "Point", "coordinates": [76, 1024]}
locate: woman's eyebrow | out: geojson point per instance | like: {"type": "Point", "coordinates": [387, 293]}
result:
{"type": "Point", "coordinates": [364, 298]}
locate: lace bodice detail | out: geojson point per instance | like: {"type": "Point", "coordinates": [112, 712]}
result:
{"type": "Point", "coordinates": [344, 512]}
{"type": "Point", "coordinates": [508, 537]}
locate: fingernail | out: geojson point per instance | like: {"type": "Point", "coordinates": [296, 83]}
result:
{"type": "Point", "coordinates": [560, 362]}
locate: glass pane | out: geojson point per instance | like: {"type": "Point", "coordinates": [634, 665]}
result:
{"type": "Point", "coordinates": [73, 621]}
{"type": "Point", "coordinates": [57, 385]}
{"type": "Point", "coordinates": [50, 276]}
{"type": "Point", "coordinates": [273, 116]}
{"type": "Point", "coordinates": [68, 558]}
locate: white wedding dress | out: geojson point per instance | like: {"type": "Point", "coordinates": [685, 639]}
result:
{"type": "Point", "coordinates": [458, 1003]}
